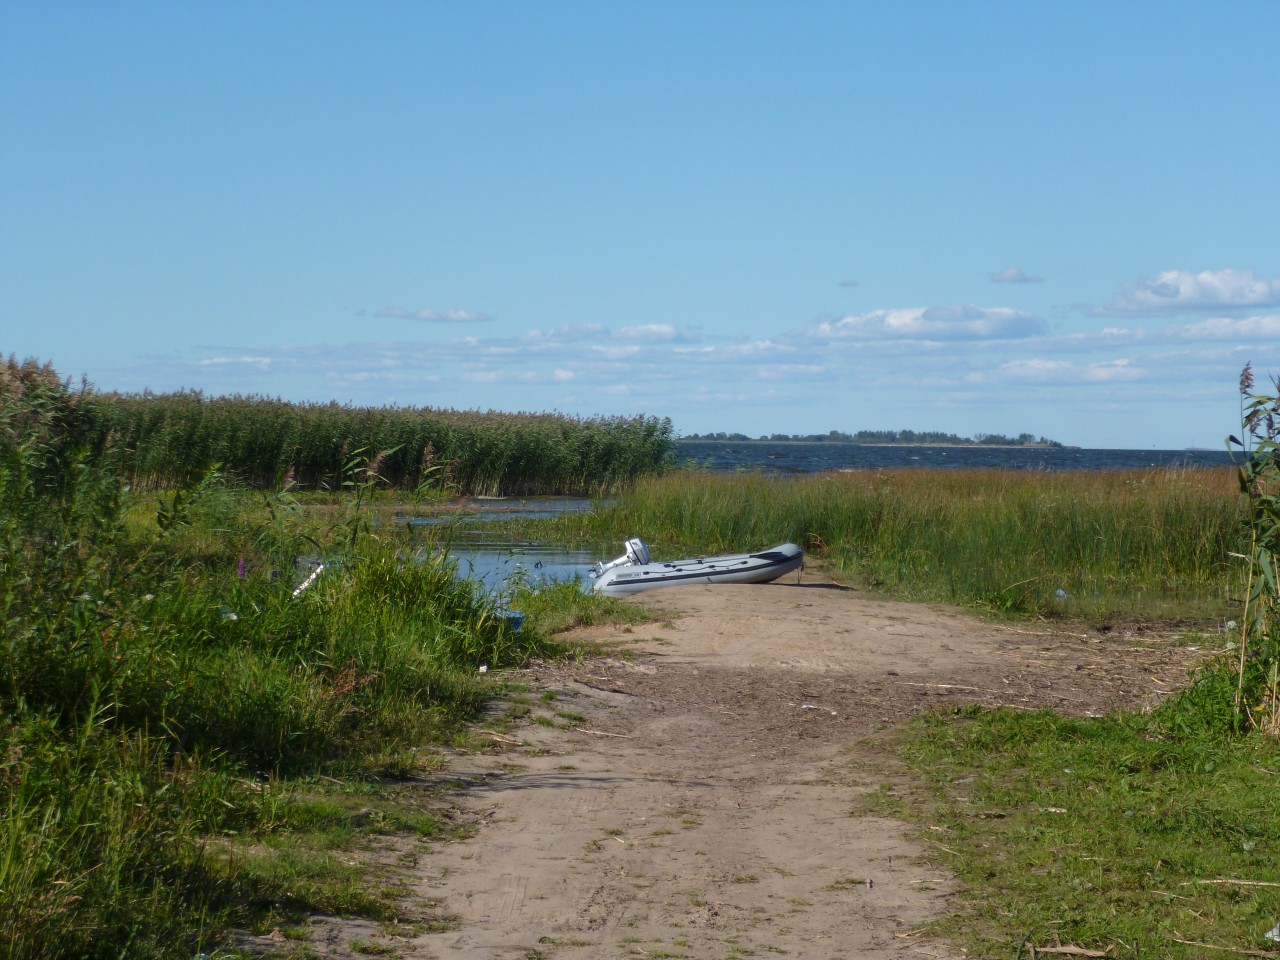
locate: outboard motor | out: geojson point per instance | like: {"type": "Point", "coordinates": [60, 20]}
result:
{"type": "Point", "coordinates": [637, 555]}
{"type": "Point", "coordinates": [637, 552]}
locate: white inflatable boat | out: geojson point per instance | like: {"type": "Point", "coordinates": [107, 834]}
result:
{"type": "Point", "coordinates": [633, 571]}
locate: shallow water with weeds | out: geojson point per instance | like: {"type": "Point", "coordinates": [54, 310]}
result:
{"type": "Point", "coordinates": [488, 538]}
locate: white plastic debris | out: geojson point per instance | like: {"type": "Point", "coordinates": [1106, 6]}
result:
{"type": "Point", "coordinates": [1273, 933]}
{"type": "Point", "coordinates": [484, 668]}
{"type": "Point", "coordinates": [310, 580]}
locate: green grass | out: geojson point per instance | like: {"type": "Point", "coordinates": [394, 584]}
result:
{"type": "Point", "coordinates": [169, 708]}
{"type": "Point", "coordinates": [1102, 833]}
{"type": "Point", "coordinates": [1154, 543]}
{"type": "Point", "coordinates": [565, 606]}
{"type": "Point", "coordinates": [168, 703]}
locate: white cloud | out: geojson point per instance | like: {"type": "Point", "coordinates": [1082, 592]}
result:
{"type": "Point", "coordinates": [790, 371]}
{"type": "Point", "coordinates": [958, 322]}
{"type": "Point", "coordinates": [262, 363]}
{"type": "Point", "coordinates": [616, 353]}
{"type": "Point", "coordinates": [434, 316]}
{"type": "Point", "coordinates": [1265, 328]}
{"type": "Point", "coordinates": [756, 348]}
{"type": "Point", "coordinates": [1178, 291]}
{"type": "Point", "coordinates": [576, 331]}
{"type": "Point", "coordinates": [498, 376]}
{"type": "Point", "coordinates": [1040, 370]}
{"type": "Point", "coordinates": [653, 333]}
{"type": "Point", "coordinates": [1014, 275]}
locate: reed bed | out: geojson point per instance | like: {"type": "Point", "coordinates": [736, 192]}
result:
{"type": "Point", "coordinates": [175, 438]}
{"type": "Point", "coordinates": [1155, 542]}
{"type": "Point", "coordinates": [162, 683]}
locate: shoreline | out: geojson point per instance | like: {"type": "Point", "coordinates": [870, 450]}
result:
{"type": "Point", "coordinates": [855, 443]}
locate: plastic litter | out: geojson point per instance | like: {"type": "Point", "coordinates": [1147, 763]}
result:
{"type": "Point", "coordinates": [1273, 933]}
{"type": "Point", "coordinates": [310, 580]}
{"type": "Point", "coordinates": [1062, 594]}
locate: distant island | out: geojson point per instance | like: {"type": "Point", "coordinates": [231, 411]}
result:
{"type": "Point", "coordinates": [886, 437]}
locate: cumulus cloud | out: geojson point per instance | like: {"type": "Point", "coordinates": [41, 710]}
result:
{"type": "Point", "coordinates": [1014, 275]}
{"type": "Point", "coordinates": [1177, 291]}
{"type": "Point", "coordinates": [434, 316]}
{"type": "Point", "coordinates": [959, 322]}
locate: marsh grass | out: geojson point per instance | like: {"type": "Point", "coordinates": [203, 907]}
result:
{"type": "Point", "coordinates": [167, 698]}
{"type": "Point", "coordinates": [1105, 833]}
{"type": "Point", "coordinates": [171, 440]}
{"type": "Point", "coordinates": [1143, 542]}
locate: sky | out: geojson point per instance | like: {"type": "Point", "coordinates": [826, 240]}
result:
{"type": "Point", "coordinates": [1057, 218]}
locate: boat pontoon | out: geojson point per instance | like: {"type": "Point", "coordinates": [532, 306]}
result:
{"type": "Point", "coordinates": [634, 571]}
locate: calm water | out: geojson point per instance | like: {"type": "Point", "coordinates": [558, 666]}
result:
{"type": "Point", "coordinates": [497, 562]}
{"type": "Point", "coordinates": [814, 457]}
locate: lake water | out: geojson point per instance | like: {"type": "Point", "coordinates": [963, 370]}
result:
{"type": "Point", "coordinates": [498, 562]}
{"type": "Point", "coordinates": [815, 457]}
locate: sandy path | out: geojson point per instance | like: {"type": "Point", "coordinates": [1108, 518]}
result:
{"type": "Point", "coordinates": [699, 799]}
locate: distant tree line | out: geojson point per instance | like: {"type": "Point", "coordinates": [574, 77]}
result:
{"type": "Point", "coordinates": [917, 437]}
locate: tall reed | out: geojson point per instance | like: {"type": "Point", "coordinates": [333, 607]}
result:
{"type": "Point", "coordinates": [1143, 541]}
{"type": "Point", "coordinates": [175, 438]}
{"type": "Point", "coordinates": [1257, 696]}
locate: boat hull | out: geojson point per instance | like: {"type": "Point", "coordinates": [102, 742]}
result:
{"type": "Point", "coordinates": [762, 567]}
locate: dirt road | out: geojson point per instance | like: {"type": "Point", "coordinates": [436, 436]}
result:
{"type": "Point", "coordinates": [698, 796]}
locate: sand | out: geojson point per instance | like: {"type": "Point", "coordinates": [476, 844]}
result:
{"type": "Point", "coordinates": [703, 790]}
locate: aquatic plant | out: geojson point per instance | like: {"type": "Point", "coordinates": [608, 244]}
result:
{"type": "Point", "coordinates": [174, 438]}
{"type": "Point", "coordinates": [1258, 471]}
{"type": "Point", "coordinates": [1148, 542]}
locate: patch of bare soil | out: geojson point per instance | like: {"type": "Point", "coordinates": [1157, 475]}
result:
{"type": "Point", "coordinates": [697, 795]}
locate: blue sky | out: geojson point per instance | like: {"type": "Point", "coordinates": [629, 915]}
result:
{"type": "Point", "coordinates": [1058, 218]}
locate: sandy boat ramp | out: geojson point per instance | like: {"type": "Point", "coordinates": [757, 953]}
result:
{"type": "Point", "coordinates": [703, 793]}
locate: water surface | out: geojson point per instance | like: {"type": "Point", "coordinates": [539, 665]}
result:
{"type": "Point", "coordinates": [796, 457]}
{"type": "Point", "coordinates": [499, 563]}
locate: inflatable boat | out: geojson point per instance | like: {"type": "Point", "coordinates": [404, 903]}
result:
{"type": "Point", "coordinates": [633, 571]}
